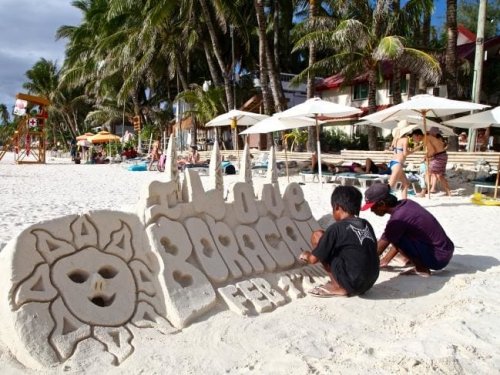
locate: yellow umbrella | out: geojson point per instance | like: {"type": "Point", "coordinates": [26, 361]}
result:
{"type": "Point", "coordinates": [104, 137]}
{"type": "Point", "coordinates": [84, 137]}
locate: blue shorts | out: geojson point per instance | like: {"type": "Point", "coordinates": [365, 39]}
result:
{"type": "Point", "coordinates": [393, 163]}
{"type": "Point", "coordinates": [421, 251]}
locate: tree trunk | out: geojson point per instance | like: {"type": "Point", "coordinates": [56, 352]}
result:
{"type": "Point", "coordinates": [451, 49]}
{"type": "Point", "coordinates": [264, 68]}
{"type": "Point", "coordinates": [182, 79]}
{"type": "Point", "coordinates": [274, 77]}
{"type": "Point", "coordinates": [214, 74]}
{"type": "Point", "coordinates": [226, 74]}
{"type": "Point", "coordinates": [396, 84]}
{"type": "Point", "coordinates": [372, 108]}
{"type": "Point", "coordinates": [425, 40]}
{"type": "Point", "coordinates": [311, 140]}
{"type": "Point", "coordinates": [396, 71]}
{"type": "Point", "coordinates": [276, 33]}
{"type": "Point", "coordinates": [194, 135]}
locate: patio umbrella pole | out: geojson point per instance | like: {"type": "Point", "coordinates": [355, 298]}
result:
{"type": "Point", "coordinates": [427, 161]}
{"type": "Point", "coordinates": [286, 159]}
{"type": "Point", "coordinates": [236, 144]}
{"type": "Point", "coordinates": [498, 179]}
{"type": "Point", "coordinates": [318, 150]}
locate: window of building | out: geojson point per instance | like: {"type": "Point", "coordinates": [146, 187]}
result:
{"type": "Point", "coordinates": [403, 83]}
{"type": "Point", "coordinates": [360, 91]}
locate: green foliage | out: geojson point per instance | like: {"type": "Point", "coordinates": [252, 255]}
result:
{"type": "Point", "coordinates": [334, 140]}
{"type": "Point", "coordinates": [467, 15]}
{"type": "Point", "coordinates": [296, 138]}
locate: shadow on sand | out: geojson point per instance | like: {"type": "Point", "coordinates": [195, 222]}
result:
{"type": "Point", "coordinates": [398, 287]}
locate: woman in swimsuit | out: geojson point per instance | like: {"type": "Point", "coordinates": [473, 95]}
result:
{"type": "Point", "coordinates": [400, 147]}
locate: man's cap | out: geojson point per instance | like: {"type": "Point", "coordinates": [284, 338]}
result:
{"type": "Point", "coordinates": [375, 194]}
{"type": "Point", "coordinates": [434, 130]}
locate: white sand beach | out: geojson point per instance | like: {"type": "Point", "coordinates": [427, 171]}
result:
{"type": "Point", "coordinates": [446, 324]}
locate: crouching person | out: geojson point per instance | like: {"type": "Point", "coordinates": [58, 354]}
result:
{"type": "Point", "coordinates": [347, 249]}
{"type": "Point", "coordinates": [412, 230]}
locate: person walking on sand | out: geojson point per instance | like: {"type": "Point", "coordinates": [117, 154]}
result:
{"type": "Point", "coordinates": [411, 230]}
{"type": "Point", "coordinates": [347, 249]}
{"type": "Point", "coordinates": [401, 151]}
{"type": "Point", "coordinates": [155, 154]}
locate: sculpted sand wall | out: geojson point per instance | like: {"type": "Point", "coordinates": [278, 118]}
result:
{"type": "Point", "coordinates": [95, 279]}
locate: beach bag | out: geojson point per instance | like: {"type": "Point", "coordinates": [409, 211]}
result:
{"type": "Point", "coordinates": [227, 167]}
{"type": "Point", "coordinates": [230, 169]}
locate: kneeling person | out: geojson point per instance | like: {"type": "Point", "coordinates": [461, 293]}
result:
{"type": "Point", "coordinates": [347, 249]}
{"type": "Point", "coordinates": [412, 230]}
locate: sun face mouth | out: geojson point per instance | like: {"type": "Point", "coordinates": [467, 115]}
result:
{"type": "Point", "coordinates": [102, 300]}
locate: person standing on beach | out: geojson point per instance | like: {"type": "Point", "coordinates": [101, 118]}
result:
{"type": "Point", "coordinates": [401, 151]}
{"type": "Point", "coordinates": [155, 154]}
{"type": "Point", "coordinates": [347, 249]}
{"type": "Point", "coordinates": [438, 157]}
{"type": "Point", "coordinates": [411, 230]}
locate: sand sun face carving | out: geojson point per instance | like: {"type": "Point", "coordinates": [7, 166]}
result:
{"type": "Point", "coordinates": [100, 289]}
{"type": "Point", "coordinates": [91, 291]}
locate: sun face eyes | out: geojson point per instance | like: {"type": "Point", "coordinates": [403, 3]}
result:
{"type": "Point", "coordinates": [79, 276]}
{"type": "Point", "coordinates": [107, 272]}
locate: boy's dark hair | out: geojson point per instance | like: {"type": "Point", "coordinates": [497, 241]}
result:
{"type": "Point", "coordinates": [347, 197]}
{"type": "Point", "coordinates": [390, 201]}
{"type": "Point", "coordinates": [417, 132]}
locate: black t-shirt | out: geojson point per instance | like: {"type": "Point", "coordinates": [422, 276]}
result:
{"type": "Point", "coordinates": [350, 247]}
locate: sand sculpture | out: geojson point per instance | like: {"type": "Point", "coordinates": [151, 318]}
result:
{"type": "Point", "coordinates": [99, 276]}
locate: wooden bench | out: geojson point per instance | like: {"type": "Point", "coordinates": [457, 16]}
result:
{"type": "Point", "coordinates": [459, 158]}
{"type": "Point", "coordinates": [479, 186]}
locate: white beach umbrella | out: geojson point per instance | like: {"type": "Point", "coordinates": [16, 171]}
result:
{"type": "Point", "coordinates": [477, 120]}
{"type": "Point", "coordinates": [417, 122]}
{"type": "Point", "coordinates": [414, 122]}
{"type": "Point", "coordinates": [389, 125]}
{"type": "Point", "coordinates": [237, 117]}
{"type": "Point", "coordinates": [480, 120]}
{"type": "Point", "coordinates": [315, 108]}
{"type": "Point", "coordinates": [424, 105]}
{"type": "Point", "coordinates": [276, 123]}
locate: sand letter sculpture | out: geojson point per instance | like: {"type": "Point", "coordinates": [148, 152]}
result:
{"type": "Point", "coordinates": [97, 278]}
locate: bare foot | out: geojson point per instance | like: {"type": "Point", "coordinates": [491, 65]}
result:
{"type": "Point", "coordinates": [327, 291]}
{"type": "Point", "coordinates": [414, 271]}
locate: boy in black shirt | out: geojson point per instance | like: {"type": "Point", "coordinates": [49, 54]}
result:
{"type": "Point", "coordinates": [347, 250]}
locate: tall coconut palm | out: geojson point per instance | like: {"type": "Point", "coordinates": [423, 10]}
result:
{"type": "Point", "coordinates": [4, 114]}
{"type": "Point", "coordinates": [204, 105]}
{"type": "Point", "coordinates": [359, 46]}
{"type": "Point", "coordinates": [451, 49]}
{"type": "Point", "coordinates": [43, 81]}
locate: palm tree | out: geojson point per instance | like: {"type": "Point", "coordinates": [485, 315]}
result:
{"type": "Point", "coordinates": [359, 46]}
{"type": "Point", "coordinates": [4, 114]}
{"type": "Point", "coordinates": [43, 80]}
{"type": "Point", "coordinates": [204, 105]}
{"type": "Point", "coordinates": [451, 49]}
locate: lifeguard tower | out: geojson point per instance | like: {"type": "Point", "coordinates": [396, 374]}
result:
{"type": "Point", "coordinates": [28, 141]}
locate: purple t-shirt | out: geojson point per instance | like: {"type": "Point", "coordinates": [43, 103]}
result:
{"type": "Point", "coordinates": [412, 221]}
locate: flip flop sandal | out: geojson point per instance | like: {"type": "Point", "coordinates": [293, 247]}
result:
{"type": "Point", "coordinates": [414, 272]}
{"type": "Point", "coordinates": [322, 292]}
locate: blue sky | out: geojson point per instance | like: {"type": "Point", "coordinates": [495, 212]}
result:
{"type": "Point", "coordinates": [27, 33]}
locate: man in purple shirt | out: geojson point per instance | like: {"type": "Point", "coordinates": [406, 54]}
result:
{"type": "Point", "coordinates": [412, 230]}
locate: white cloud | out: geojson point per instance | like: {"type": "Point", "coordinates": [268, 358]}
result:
{"type": "Point", "coordinates": [27, 33]}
